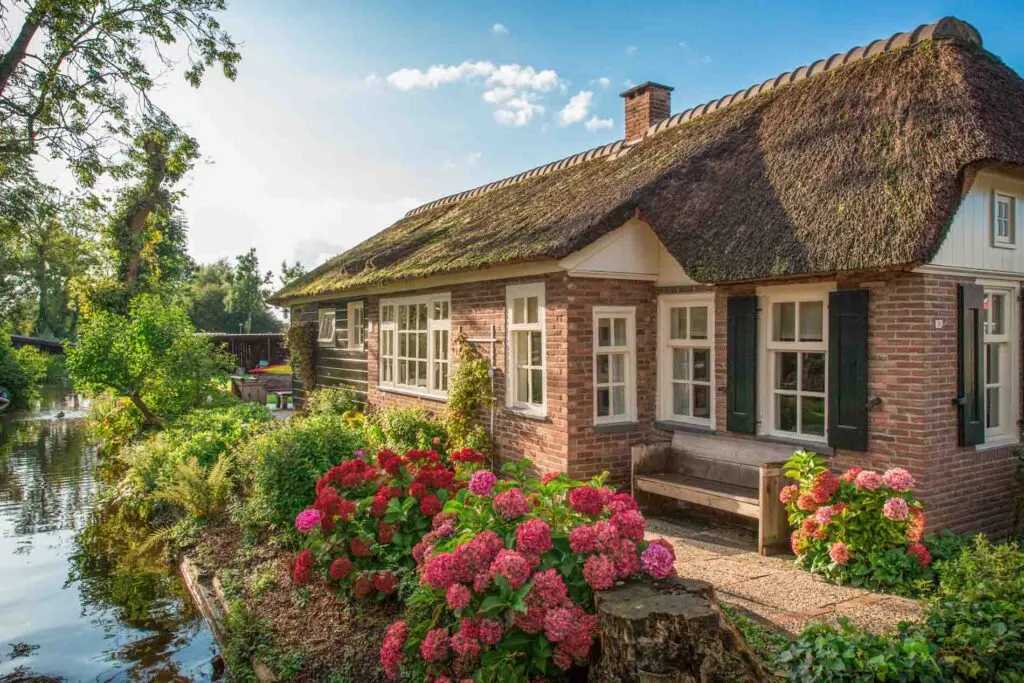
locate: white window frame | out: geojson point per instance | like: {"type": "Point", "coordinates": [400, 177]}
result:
{"type": "Point", "coordinates": [390, 328]}
{"type": "Point", "coordinates": [628, 351]}
{"type": "Point", "coordinates": [525, 291]}
{"type": "Point", "coordinates": [666, 345]}
{"type": "Point", "coordinates": [356, 330]}
{"type": "Point", "coordinates": [323, 314]}
{"type": "Point", "coordinates": [1009, 376]}
{"type": "Point", "coordinates": [1008, 241]}
{"type": "Point", "coordinates": [767, 348]}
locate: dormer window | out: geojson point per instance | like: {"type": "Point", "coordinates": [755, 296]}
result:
{"type": "Point", "coordinates": [1004, 233]}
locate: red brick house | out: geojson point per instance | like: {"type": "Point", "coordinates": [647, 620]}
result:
{"type": "Point", "coordinates": [826, 260]}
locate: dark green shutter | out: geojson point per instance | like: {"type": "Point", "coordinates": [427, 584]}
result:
{"type": "Point", "coordinates": [970, 356]}
{"type": "Point", "coordinates": [741, 365]}
{"type": "Point", "coordinates": [848, 369]}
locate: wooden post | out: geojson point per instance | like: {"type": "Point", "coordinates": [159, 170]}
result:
{"type": "Point", "coordinates": [773, 524]}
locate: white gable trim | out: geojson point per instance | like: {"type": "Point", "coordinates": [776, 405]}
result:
{"type": "Point", "coordinates": [630, 252]}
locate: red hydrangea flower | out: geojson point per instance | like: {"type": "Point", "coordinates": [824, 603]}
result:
{"type": "Point", "coordinates": [919, 551]}
{"type": "Point", "coordinates": [549, 477]}
{"type": "Point", "coordinates": [626, 559]}
{"type": "Point", "coordinates": [379, 505]}
{"type": "Point", "coordinates": [533, 537]}
{"type": "Point", "coordinates": [623, 501]}
{"type": "Point", "coordinates": [385, 532]}
{"type": "Point", "coordinates": [531, 621]}
{"type": "Point", "coordinates": [560, 622]}
{"type": "Point", "coordinates": [511, 504]}
{"type": "Point", "coordinates": [915, 529]}
{"type": "Point", "coordinates": [548, 590]}
{"type": "Point", "coordinates": [583, 539]}
{"type": "Point", "coordinates": [586, 500]}
{"type": "Point", "coordinates": [630, 523]}
{"type": "Point", "coordinates": [458, 597]}
{"type": "Point", "coordinates": [607, 536]}
{"type": "Point", "coordinates": [599, 572]}
{"type": "Point", "coordinates": [481, 582]}
{"type": "Point", "coordinates": [389, 462]}
{"type": "Point", "coordinates": [806, 502]}
{"type": "Point", "coordinates": [467, 456]}
{"type": "Point", "coordinates": [795, 539]}
{"type": "Point", "coordinates": [360, 548]}
{"type": "Point", "coordinates": [418, 490]}
{"type": "Point", "coordinates": [303, 571]}
{"type": "Point", "coordinates": [391, 654]}
{"type": "Point", "coordinates": [434, 647]}
{"type": "Point", "coordinates": [788, 494]}
{"type": "Point", "coordinates": [839, 553]}
{"type": "Point", "coordinates": [824, 486]}
{"type": "Point", "coordinates": [363, 585]}
{"type": "Point", "coordinates": [430, 505]}
{"type": "Point", "coordinates": [441, 571]}
{"type": "Point", "coordinates": [490, 631]}
{"type": "Point", "coordinates": [385, 582]}
{"type": "Point", "coordinates": [340, 568]}
{"type": "Point", "coordinates": [512, 566]}
{"type": "Point", "coordinates": [562, 660]}
{"type": "Point", "coordinates": [606, 494]}
{"type": "Point", "coordinates": [467, 647]}
{"type": "Point", "coordinates": [850, 475]}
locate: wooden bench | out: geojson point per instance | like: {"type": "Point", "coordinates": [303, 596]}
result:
{"type": "Point", "coordinates": [739, 476]}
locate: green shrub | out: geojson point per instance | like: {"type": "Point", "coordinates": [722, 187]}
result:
{"type": "Point", "coordinates": [983, 571]}
{"type": "Point", "coordinates": [334, 400]}
{"type": "Point", "coordinates": [19, 380]}
{"type": "Point", "coordinates": [402, 429]}
{"type": "Point", "coordinates": [114, 422]}
{"type": "Point", "coordinates": [280, 468]}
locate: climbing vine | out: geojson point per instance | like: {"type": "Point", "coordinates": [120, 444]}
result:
{"type": "Point", "coordinates": [301, 344]}
{"type": "Point", "coordinates": [469, 392]}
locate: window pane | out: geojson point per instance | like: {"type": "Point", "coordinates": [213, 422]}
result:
{"type": "Point", "coordinates": [701, 400]}
{"type": "Point", "coordinates": [604, 332]}
{"type": "Point", "coordinates": [535, 348]}
{"type": "Point", "coordinates": [680, 363]}
{"type": "Point", "coordinates": [518, 311]}
{"type": "Point", "coordinates": [811, 320]}
{"type": "Point", "coordinates": [403, 317]}
{"type": "Point", "coordinates": [997, 314]}
{"type": "Point", "coordinates": [422, 322]}
{"type": "Point", "coordinates": [813, 372]}
{"type": "Point", "coordinates": [522, 344]}
{"type": "Point", "coordinates": [620, 332]}
{"type": "Point", "coordinates": [422, 375]}
{"type": "Point", "coordinates": [602, 369]}
{"type": "Point", "coordinates": [677, 323]}
{"type": "Point", "coordinates": [618, 368]}
{"type": "Point", "coordinates": [618, 400]}
{"type": "Point", "coordinates": [813, 415]}
{"type": "Point", "coordinates": [443, 353]}
{"type": "Point", "coordinates": [403, 372]}
{"type": "Point", "coordinates": [403, 344]}
{"type": "Point", "coordinates": [522, 385]}
{"type": "Point", "coordinates": [444, 377]}
{"type": "Point", "coordinates": [702, 365]}
{"type": "Point", "coordinates": [785, 412]}
{"type": "Point", "coordinates": [699, 322]}
{"type": "Point", "coordinates": [603, 402]}
{"type": "Point", "coordinates": [992, 407]}
{"type": "Point", "coordinates": [785, 371]}
{"type": "Point", "coordinates": [532, 307]}
{"type": "Point", "coordinates": [992, 363]}
{"type": "Point", "coordinates": [536, 386]}
{"type": "Point", "coordinates": [422, 350]}
{"type": "Point", "coordinates": [681, 399]}
{"type": "Point", "coordinates": [784, 322]}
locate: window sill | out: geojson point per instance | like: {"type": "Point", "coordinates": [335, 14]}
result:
{"type": "Point", "coordinates": [819, 447]}
{"type": "Point", "coordinates": [615, 427]}
{"type": "Point", "coordinates": [675, 426]}
{"type": "Point", "coordinates": [1003, 245]}
{"type": "Point", "coordinates": [442, 398]}
{"type": "Point", "coordinates": [541, 414]}
{"type": "Point", "coordinates": [997, 443]}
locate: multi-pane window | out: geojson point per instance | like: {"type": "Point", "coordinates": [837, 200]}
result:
{"type": "Point", "coordinates": [1003, 215]}
{"type": "Point", "coordinates": [999, 361]}
{"type": "Point", "coordinates": [614, 364]}
{"type": "Point", "coordinates": [356, 329]}
{"type": "Point", "coordinates": [414, 339]}
{"type": "Point", "coordinates": [525, 310]}
{"type": "Point", "coordinates": [797, 350]}
{"type": "Point", "coordinates": [326, 333]}
{"type": "Point", "coordinates": [686, 333]}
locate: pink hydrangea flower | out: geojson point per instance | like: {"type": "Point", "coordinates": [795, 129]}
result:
{"type": "Point", "coordinates": [533, 537]}
{"type": "Point", "coordinates": [806, 502]}
{"type": "Point", "coordinates": [657, 561]}
{"type": "Point", "coordinates": [869, 479]}
{"type": "Point", "coordinates": [548, 589]}
{"type": "Point", "coordinates": [490, 631]}
{"type": "Point", "coordinates": [458, 597]}
{"type": "Point", "coordinates": [391, 654]}
{"type": "Point", "coordinates": [549, 477]}
{"type": "Point", "coordinates": [626, 558]}
{"type": "Point", "coordinates": [307, 520]}
{"type": "Point", "coordinates": [839, 553]}
{"type": "Point", "coordinates": [586, 500]}
{"type": "Point", "coordinates": [583, 539]}
{"type": "Point", "coordinates": [511, 504]}
{"type": "Point", "coordinates": [441, 571]}
{"type": "Point", "coordinates": [434, 647]}
{"type": "Point", "coordinates": [512, 566]}
{"type": "Point", "coordinates": [599, 572]}
{"type": "Point", "coordinates": [667, 545]}
{"type": "Point", "coordinates": [560, 622]}
{"type": "Point", "coordinates": [630, 524]}
{"type": "Point", "coordinates": [896, 509]}
{"type": "Point", "coordinates": [481, 582]}
{"type": "Point", "coordinates": [824, 486]}
{"type": "Point", "coordinates": [898, 479]}
{"type": "Point", "coordinates": [788, 494]}
{"type": "Point", "coordinates": [482, 483]}
{"type": "Point", "coordinates": [850, 475]}
{"type": "Point", "coordinates": [823, 515]}
{"type": "Point", "coordinates": [464, 645]}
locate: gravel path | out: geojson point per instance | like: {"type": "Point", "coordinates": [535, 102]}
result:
{"type": "Point", "coordinates": [772, 589]}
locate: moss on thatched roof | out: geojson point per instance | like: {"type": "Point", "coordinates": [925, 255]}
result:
{"type": "Point", "coordinates": [859, 167]}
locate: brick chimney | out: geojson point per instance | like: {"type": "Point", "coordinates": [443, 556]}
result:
{"type": "Point", "coordinates": [646, 104]}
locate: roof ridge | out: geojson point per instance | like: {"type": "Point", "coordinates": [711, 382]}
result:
{"type": "Point", "coordinates": [950, 28]}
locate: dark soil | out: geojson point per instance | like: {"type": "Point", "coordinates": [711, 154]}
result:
{"type": "Point", "coordinates": [314, 634]}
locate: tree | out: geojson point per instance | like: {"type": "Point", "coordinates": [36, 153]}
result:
{"type": "Point", "coordinates": [151, 355]}
{"type": "Point", "coordinates": [290, 274]}
{"type": "Point", "coordinates": [249, 293]}
{"type": "Point", "coordinates": [68, 69]}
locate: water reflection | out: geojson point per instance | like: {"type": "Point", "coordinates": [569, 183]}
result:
{"type": "Point", "coordinates": [71, 609]}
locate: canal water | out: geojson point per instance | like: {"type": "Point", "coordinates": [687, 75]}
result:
{"type": "Point", "coordinates": [66, 611]}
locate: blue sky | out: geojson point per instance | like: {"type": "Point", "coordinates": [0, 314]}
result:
{"type": "Point", "coordinates": [337, 124]}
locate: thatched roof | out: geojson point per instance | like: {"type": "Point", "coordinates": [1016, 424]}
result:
{"type": "Point", "coordinates": [856, 162]}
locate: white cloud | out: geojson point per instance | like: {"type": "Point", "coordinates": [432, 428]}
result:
{"type": "Point", "coordinates": [604, 81]}
{"type": "Point", "coordinates": [372, 79]}
{"type": "Point", "coordinates": [706, 59]}
{"type": "Point", "coordinates": [500, 29]}
{"type": "Point", "coordinates": [514, 89]}
{"type": "Point", "coordinates": [595, 124]}
{"type": "Point", "coordinates": [463, 161]}
{"type": "Point", "coordinates": [577, 109]}
{"type": "Point", "coordinates": [682, 44]}
{"type": "Point", "coordinates": [631, 50]}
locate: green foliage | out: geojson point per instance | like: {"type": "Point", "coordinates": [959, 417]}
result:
{"type": "Point", "coordinates": [983, 571]}
{"type": "Point", "coordinates": [114, 422]}
{"type": "Point", "coordinates": [152, 356]}
{"type": "Point", "coordinates": [470, 392]}
{"type": "Point", "coordinates": [280, 467]}
{"type": "Point", "coordinates": [332, 400]}
{"type": "Point", "coordinates": [208, 295]}
{"type": "Point", "coordinates": [300, 339]}
{"type": "Point", "coordinates": [248, 294]}
{"type": "Point", "coordinates": [401, 429]}
{"type": "Point", "coordinates": [200, 493]}
{"type": "Point", "coordinates": [19, 371]}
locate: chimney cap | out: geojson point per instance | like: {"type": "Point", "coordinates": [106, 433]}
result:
{"type": "Point", "coordinates": [644, 86]}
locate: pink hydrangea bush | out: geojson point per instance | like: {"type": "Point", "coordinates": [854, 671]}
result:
{"type": "Point", "coordinates": [370, 514]}
{"type": "Point", "coordinates": [861, 526]}
{"type": "Point", "coordinates": [517, 574]}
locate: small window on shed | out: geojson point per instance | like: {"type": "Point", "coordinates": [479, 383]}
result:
{"type": "Point", "coordinates": [326, 333]}
{"type": "Point", "coordinates": [1004, 232]}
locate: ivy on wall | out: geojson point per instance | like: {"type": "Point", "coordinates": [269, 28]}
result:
{"type": "Point", "coordinates": [301, 344]}
{"type": "Point", "coordinates": [469, 392]}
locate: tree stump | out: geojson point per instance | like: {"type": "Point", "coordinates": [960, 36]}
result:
{"type": "Point", "coordinates": [670, 632]}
